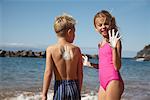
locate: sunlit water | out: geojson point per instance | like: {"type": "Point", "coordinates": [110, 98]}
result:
{"type": "Point", "coordinates": [21, 79]}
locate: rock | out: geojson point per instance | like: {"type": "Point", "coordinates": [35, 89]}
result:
{"type": "Point", "coordinates": [37, 54]}
{"type": "Point", "coordinates": [22, 53]}
{"type": "Point", "coordinates": [43, 54]}
{"type": "Point", "coordinates": [2, 53]}
{"type": "Point", "coordinates": [144, 54]}
{"type": "Point", "coordinates": [30, 53]}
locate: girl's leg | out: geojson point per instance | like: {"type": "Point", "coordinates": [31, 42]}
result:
{"type": "Point", "coordinates": [114, 90]}
{"type": "Point", "coordinates": [101, 94]}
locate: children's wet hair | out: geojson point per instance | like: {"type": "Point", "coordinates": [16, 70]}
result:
{"type": "Point", "coordinates": [63, 23]}
{"type": "Point", "coordinates": [104, 13]}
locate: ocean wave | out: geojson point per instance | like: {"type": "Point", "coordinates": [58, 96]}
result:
{"type": "Point", "coordinates": [84, 96]}
{"type": "Point", "coordinates": [37, 96]}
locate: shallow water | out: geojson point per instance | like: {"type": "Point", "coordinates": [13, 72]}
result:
{"type": "Point", "coordinates": [22, 78]}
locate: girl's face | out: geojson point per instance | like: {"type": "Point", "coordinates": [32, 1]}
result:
{"type": "Point", "coordinates": [102, 25]}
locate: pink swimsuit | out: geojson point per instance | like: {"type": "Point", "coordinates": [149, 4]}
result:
{"type": "Point", "coordinates": [107, 70]}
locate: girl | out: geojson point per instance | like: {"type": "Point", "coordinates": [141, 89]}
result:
{"type": "Point", "coordinates": [111, 83]}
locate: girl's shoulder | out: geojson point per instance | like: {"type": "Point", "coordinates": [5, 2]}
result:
{"type": "Point", "coordinates": [102, 43]}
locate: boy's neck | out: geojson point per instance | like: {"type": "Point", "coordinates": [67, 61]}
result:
{"type": "Point", "coordinates": [62, 40]}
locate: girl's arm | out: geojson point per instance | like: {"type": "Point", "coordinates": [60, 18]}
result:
{"type": "Point", "coordinates": [115, 43]}
{"type": "Point", "coordinates": [94, 65]}
{"type": "Point", "coordinates": [117, 55]}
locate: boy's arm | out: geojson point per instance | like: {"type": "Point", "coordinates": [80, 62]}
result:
{"type": "Point", "coordinates": [80, 70]}
{"type": "Point", "coordinates": [47, 73]}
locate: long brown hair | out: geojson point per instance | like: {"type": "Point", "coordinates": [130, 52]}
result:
{"type": "Point", "coordinates": [104, 13]}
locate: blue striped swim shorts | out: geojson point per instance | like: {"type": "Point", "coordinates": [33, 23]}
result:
{"type": "Point", "coordinates": [66, 90]}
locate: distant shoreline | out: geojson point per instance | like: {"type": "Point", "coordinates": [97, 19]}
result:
{"type": "Point", "coordinates": [38, 54]}
{"type": "Point", "coordinates": [22, 53]}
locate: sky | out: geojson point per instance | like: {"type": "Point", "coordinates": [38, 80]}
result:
{"type": "Point", "coordinates": [29, 23]}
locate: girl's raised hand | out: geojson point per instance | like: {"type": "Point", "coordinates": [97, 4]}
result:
{"type": "Point", "coordinates": [113, 38]}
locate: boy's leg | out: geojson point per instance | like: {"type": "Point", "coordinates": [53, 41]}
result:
{"type": "Point", "coordinates": [114, 90]}
{"type": "Point", "coordinates": [101, 94]}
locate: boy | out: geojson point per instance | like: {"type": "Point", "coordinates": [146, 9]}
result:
{"type": "Point", "coordinates": [65, 60]}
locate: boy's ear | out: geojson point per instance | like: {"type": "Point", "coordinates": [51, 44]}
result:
{"type": "Point", "coordinates": [69, 31]}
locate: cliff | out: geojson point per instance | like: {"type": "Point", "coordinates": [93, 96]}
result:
{"type": "Point", "coordinates": [143, 54]}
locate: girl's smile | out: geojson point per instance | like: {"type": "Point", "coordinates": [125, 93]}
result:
{"type": "Point", "coordinates": [102, 25]}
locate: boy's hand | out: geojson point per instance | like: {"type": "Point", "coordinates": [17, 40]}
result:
{"type": "Point", "coordinates": [44, 97]}
{"type": "Point", "coordinates": [113, 38]}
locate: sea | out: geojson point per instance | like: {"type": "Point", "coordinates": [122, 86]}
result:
{"type": "Point", "coordinates": [21, 78]}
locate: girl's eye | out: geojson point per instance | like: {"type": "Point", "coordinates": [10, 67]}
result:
{"type": "Point", "coordinates": [106, 24]}
{"type": "Point", "coordinates": [100, 25]}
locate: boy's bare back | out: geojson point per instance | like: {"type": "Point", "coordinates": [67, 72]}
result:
{"type": "Point", "coordinates": [65, 69]}
{"type": "Point", "coordinates": [65, 61]}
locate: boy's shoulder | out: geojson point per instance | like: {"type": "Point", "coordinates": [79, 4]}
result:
{"type": "Point", "coordinates": [75, 47]}
{"type": "Point", "coordinates": [56, 47]}
{"type": "Point", "coordinates": [50, 48]}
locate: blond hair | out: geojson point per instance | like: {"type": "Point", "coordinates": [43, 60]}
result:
{"type": "Point", "coordinates": [63, 23]}
{"type": "Point", "coordinates": [108, 16]}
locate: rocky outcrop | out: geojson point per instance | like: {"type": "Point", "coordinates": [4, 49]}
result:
{"type": "Point", "coordinates": [22, 53]}
{"type": "Point", "coordinates": [30, 53]}
{"type": "Point", "coordinates": [144, 54]}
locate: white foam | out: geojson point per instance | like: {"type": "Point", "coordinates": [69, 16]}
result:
{"type": "Point", "coordinates": [89, 97]}
{"type": "Point", "coordinates": [29, 96]}
{"type": "Point", "coordinates": [37, 96]}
